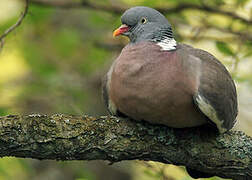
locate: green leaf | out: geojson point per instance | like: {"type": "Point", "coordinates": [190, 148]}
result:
{"type": "Point", "coordinates": [224, 48]}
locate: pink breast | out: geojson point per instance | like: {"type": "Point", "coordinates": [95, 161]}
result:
{"type": "Point", "coordinates": [152, 86]}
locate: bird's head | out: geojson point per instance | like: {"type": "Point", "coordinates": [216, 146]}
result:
{"type": "Point", "coordinates": [144, 24]}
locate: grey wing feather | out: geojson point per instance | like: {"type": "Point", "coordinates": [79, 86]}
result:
{"type": "Point", "coordinates": [216, 96]}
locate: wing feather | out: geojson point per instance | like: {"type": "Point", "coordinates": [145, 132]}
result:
{"type": "Point", "coordinates": [216, 96]}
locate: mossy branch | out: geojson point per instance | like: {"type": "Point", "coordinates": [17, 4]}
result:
{"type": "Point", "coordinates": [65, 137]}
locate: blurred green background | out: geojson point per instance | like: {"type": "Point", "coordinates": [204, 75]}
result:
{"type": "Point", "coordinates": [53, 63]}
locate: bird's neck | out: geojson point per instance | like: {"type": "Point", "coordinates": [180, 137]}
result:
{"type": "Point", "coordinates": [167, 44]}
{"type": "Point", "coordinates": [163, 37]}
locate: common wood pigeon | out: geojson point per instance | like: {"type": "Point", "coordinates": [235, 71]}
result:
{"type": "Point", "coordinates": [158, 80]}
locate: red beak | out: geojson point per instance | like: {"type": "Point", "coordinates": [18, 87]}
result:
{"type": "Point", "coordinates": [122, 29]}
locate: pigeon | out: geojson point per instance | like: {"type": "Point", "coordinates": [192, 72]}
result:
{"type": "Point", "coordinates": [158, 80]}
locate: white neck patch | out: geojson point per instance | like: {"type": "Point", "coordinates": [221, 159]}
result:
{"type": "Point", "coordinates": [168, 44]}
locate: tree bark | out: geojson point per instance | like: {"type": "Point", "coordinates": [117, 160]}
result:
{"type": "Point", "coordinates": [68, 137]}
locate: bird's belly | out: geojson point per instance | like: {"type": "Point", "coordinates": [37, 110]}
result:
{"type": "Point", "coordinates": [159, 95]}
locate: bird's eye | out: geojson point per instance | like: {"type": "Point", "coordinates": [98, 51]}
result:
{"type": "Point", "coordinates": [143, 20]}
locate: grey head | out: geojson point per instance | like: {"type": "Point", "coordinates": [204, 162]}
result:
{"type": "Point", "coordinates": [145, 24]}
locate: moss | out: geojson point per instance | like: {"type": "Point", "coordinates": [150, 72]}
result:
{"type": "Point", "coordinates": [66, 137]}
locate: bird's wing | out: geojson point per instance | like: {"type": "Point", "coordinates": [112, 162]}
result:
{"type": "Point", "coordinates": [216, 96]}
{"type": "Point", "coordinates": [105, 91]}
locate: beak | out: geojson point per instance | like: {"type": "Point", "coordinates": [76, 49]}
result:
{"type": "Point", "coordinates": [122, 29]}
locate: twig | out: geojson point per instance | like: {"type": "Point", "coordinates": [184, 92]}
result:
{"type": "Point", "coordinates": [237, 60]}
{"type": "Point", "coordinates": [14, 26]}
{"type": "Point", "coordinates": [1, 44]}
{"type": "Point", "coordinates": [242, 35]}
{"type": "Point", "coordinates": [118, 10]}
{"type": "Point", "coordinates": [216, 10]}
{"type": "Point", "coordinates": [66, 4]}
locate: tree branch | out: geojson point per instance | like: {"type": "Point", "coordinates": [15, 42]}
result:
{"type": "Point", "coordinates": [119, 10]}
{"type": "Point", "coordinates": [66, 4]}
{"type": "Point", "coordinates": [216, 10]}
{"type": "Point", "coordinates": [14, 26]}
{"type": "Point", "coordinates": [65, 137]}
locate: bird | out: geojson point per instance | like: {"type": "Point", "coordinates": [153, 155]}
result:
{"type": "Point", "coordinates": [158, 80]}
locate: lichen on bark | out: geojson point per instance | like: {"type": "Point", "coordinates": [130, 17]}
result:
{"type": "Point", "coordinates": [68, 137]}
